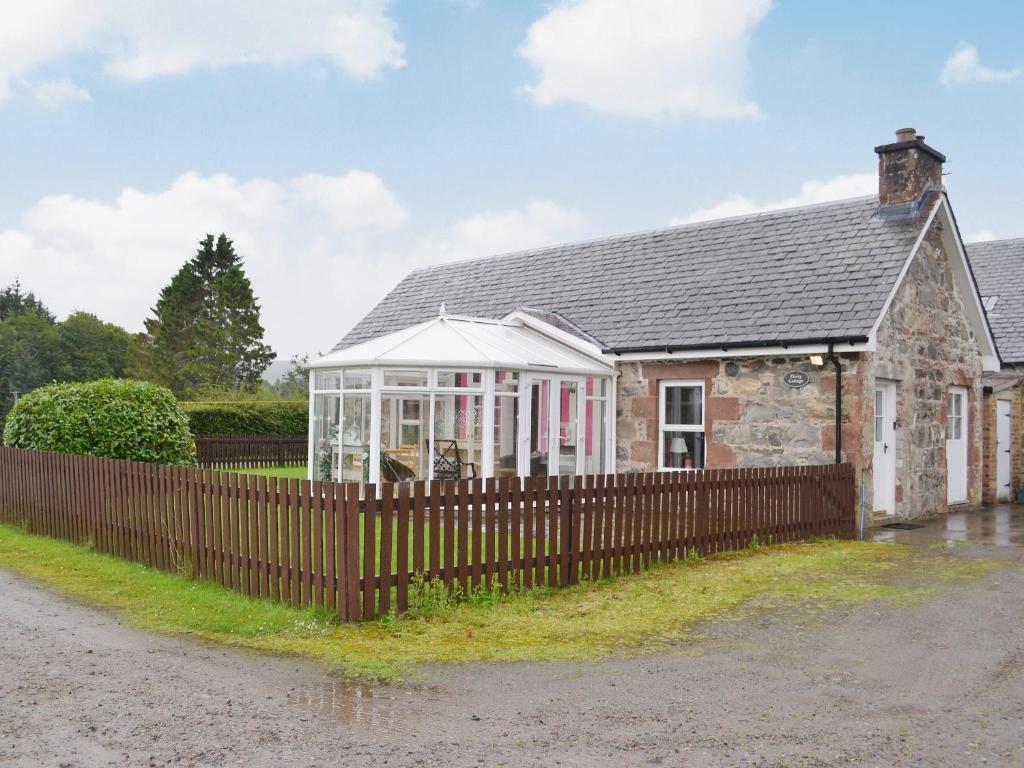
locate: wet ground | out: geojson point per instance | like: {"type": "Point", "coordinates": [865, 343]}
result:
{"type": "Point", "coordinates": [935, 683]}
{"type": "Point", "coordinates": [997, 526]}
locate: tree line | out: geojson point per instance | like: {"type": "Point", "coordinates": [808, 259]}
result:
{"type": "Point", "coordinates": [202, 337]}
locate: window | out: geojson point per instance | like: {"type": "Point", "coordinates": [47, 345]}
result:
{"type": "Point", "coordinates": [879, 414]}
{"type": "Point", "coordinates": [681, 425]}
{"type": "Point", "coordinates": [396, 378]}
{"type": "Point", "coordinates": [356, 379]}
{"type": "Point", "coordinates": [506, 423]}
{"type": "Point", "coordinates": [955, 417]}
{"type": "Point", "coordinates": [330, 380]}
{"type": "Point", "coordinates": [595, 436]}
{"type": "Point", "coordinates": [459, 379]}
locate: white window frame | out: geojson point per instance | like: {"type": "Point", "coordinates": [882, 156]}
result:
{"type": "Point", "coordinates": [663, 427]}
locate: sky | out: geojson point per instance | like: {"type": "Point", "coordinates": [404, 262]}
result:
{"type": "Point", "coordinates": [343, 143]}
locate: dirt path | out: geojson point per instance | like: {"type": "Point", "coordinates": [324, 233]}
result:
{"type": "Point", "coordinates": [933, 684]}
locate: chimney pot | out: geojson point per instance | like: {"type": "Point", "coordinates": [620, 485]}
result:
{"type": "Point", "coordinates": [906, 134]}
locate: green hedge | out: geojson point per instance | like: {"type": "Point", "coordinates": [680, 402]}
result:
{"type": "Point", "coordinates": [261, 417]}
{"type": "Point", "coordinates": [114, 418]}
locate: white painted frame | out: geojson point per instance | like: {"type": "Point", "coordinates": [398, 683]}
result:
{"type": "Point", "coordinates": [485, 390]}
{"type": "Point", "coordinates": [888, 389]}
{"type": "Point", "coordinates": [965, 426]}
{"type": "Point", "coordinates": [663, 426]}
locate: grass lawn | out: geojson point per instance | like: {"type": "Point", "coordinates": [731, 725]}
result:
{"type": "Point", "coordinates": [298, 473]}
{"type": "Point", "coordinates": [629, 615]}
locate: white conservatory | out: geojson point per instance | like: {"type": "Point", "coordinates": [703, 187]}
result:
{"type": "Point", "coordinates": [459, 397]}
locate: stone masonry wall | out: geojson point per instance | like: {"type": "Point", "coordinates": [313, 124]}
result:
{"type": "Point", "coordinates": [925, 344]}
{"type": "Point", "coordinates": [752, 418]}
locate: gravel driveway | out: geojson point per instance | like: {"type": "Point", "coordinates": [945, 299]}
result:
{"type": "Point", "coordinates": [933, 683]}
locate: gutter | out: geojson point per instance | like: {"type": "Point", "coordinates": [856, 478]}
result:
{"type": "Point", "coordinates": [670, 348]}
{"type": "Point", "coordinates": [839, 401]}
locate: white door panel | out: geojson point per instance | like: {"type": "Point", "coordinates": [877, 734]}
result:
{"type": "Point", "coordinates": [1004, 430]}
{"type": "Point", "coordinates": [956, 446]}
{"type": "Point", "coordinates": [884, 463]}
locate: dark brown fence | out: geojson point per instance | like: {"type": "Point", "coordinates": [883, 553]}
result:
{"type": "Point", "coordinates": [321, 544]}
{"type": "Point", "coordinates": [252, 451]}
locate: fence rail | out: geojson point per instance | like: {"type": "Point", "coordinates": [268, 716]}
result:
{"type": "Point", "coordinates": [326, 545]}
{"type": "Point", "coordinates": [252, 451]}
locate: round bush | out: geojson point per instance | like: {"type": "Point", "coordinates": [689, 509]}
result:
{"type": "Point", "coordinates": [114, 418]}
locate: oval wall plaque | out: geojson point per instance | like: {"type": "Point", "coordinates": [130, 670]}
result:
{"type": "Point", "coordinates": [796, 379]}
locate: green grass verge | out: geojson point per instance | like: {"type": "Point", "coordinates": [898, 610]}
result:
{"type": "Point", "coordinates": [628, 615]}
{"type": "Point", "coordinates": [298, 473]}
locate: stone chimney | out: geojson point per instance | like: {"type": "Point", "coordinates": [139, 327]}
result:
{"type": "Point", "coordinates": [907, 168]}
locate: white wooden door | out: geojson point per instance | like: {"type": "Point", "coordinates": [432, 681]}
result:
{"type": "Point", "coordinates": [1004, 429]}
{"type": "Point", "coordinates": [884, 464]}
{"type": "Point", "coordinates": [956, 446]}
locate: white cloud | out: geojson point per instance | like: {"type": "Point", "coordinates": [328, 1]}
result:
{"type": "Point", "coordinates": [646, 57]}
{"type": "Point", "coordinates": [981, 236]}
{"type": "Point", "coordinates": [138, 39]}
{"type": "Point", "coordinates": [811, 192]}
{"type": "Point", "coordinates": [356, 201]}
{"type": "Point", "coordinates": [55, 93]}
{"type": "Point", "coordinates": [304, 241]}
{"type": "Point", "coordinates": [964, 66]}
{"type": "Point", "coordinates": [540, 223]}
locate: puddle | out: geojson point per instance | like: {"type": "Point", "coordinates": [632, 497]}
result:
{"type": "Point", "coordinates": [391, 708]}
{"type": "Point", "coordinates": [999, 526]}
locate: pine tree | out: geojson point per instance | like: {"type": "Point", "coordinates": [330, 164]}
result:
{"type": "Point", "coordinates": [13, 303]}
{"type": "Point", "coordinates": [205, 332]}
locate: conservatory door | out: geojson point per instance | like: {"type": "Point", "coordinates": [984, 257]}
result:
{"type": "Point", "coordinates": [553, 412]}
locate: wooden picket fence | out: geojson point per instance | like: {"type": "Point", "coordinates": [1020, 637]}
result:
{"type": "Point", "coordinates": [326, 545]}
{"type": "Point", "coordinates": [252, 451]}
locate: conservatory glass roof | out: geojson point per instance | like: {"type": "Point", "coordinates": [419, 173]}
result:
{"type": "Point", "coordinates": [451, 341]}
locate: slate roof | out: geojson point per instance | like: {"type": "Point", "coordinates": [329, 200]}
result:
{"type": "Point", "coordinates": [999, 270]}
{"type": "Point", "coordinates": [792, 275]}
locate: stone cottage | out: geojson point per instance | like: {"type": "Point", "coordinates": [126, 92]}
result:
{"type": "Point", "coordinates": [848, 331]}
{"type": "Point", "coordinates": [999, 268]}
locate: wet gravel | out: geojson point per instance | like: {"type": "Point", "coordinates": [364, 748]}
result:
{"type": "Point", "coordinates": [939, 683]}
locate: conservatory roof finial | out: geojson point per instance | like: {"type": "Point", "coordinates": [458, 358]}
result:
{"type": "Point", "coordinates": [442, 312]}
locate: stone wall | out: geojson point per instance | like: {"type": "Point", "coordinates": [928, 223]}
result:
{"type": "Point", "coordinates": [925, 344]}
{"type": "Point", "coordinates": [752, 417]}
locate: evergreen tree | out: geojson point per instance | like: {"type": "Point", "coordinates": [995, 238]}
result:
{"type": "Point", "coordinates": [13, 303]}
{"type": "Point", "coordinates": [205, 331]}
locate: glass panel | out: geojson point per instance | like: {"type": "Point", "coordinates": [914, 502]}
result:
{"type": "Point", "coordinates": [594, 438]}
{"type": "Point", "coordinates": [355, 438]}
{"type": "Point", "coordinates": [396, 378]}
{"type": "Point", "coordinates": [597, 387]}
{"type": "Point", "coordinates": [879, 414]}
{"type": "Point", "coordinates": [567, 427]}
{"type": "Point", "coordinates": [506, 381]}
{"type": "Point", "coordinates": [357, 379]}
{"type": "Point", "coordinates": [327, 380]}
{"type": "Point", "coordinates": [459, 378]}
{"type": "Point", "coordinates": [403, 437]}
{"type": "Point", "coordinates": [506, 435]}
{"type": "Point", "coordinates": [326, 415]}
{"type": "Point", "coordinates": [683, 405]}
{"type": "Point", "coordinates": [457, 436]}
{"type": "Point", "coordinates": [540, 427]}
{"type": "Point", "coordinates": [954, 423]}
{"type": "Point", "coordinates": [684, 450]}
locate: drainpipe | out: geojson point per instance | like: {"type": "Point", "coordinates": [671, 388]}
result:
{"type": "Point", "coordinates": [839, 401]}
